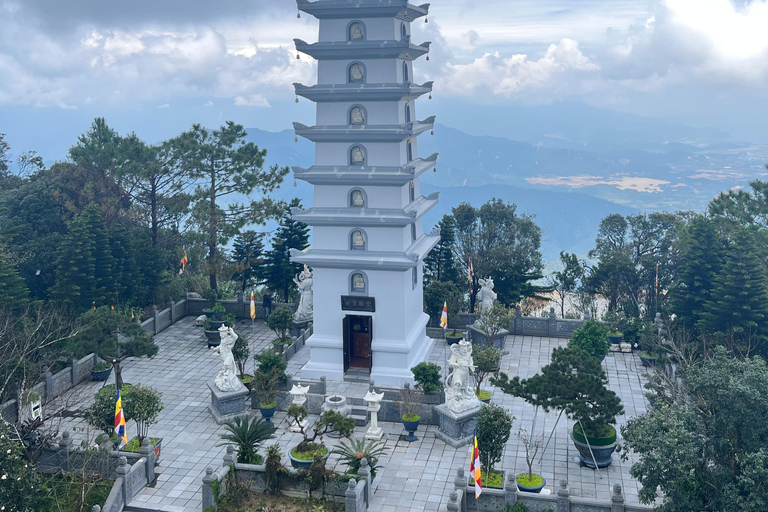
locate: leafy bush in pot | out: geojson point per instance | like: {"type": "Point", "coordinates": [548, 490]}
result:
{"type": "Point", "coordinates": [427, 377]}
{"type": "Point", "coordinates": [592, 338]}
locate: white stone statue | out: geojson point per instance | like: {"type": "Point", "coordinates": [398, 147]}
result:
{"type": "Point", "coordinates": [486, 295]}
{"type": "Point", "coordinates": [358, 200]}
{"type": "Point", "coordinates": [373, 404]}
{"type": "Point", "coordinates": [357, 155]}
{"type": "Point", "coordinates": [355, 32]}
{"type": "Point", "coordinates": [358, 240]}
{"type": "Point", "coordinates": [459, 394]}
{"type": "Point", "coordinates": [299, 394]}
{"type": "Point", "coordinates": [227, 379]}
{"type": "Point", "coordinates": [356, 73]}
{"type": "Point", "coordinates": [357, 116]}
{"type": "Point", "coordinates": [306, 302]}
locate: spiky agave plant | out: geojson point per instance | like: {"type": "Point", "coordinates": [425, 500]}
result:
{"type": "Point", "coordinates": [247, 434]}
{"type": "Point", "coordinates": [353, 453]}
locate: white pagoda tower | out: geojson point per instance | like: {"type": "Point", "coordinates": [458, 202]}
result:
{"type": "Point", "coordinates": [368, 245]}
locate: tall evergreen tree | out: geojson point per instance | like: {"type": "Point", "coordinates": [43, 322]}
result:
{"type": "Point", "coordinates": [738, 304]}
{"type": "Point", "coordinates": [247, 258]}
{"type": "Point", "coordinates": [700, 262]}
{"type": "Point", "coordinates": [75, 281]}
{"type": "Point", "coordinates": [440, 264]}
{"type": "Point", "coordinates": [104, 291]}
{"type": "Point", "coordinates": [12, 287]}
{"type": "Point", "coordinates": [279, 269]}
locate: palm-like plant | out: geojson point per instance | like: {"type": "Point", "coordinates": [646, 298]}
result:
{"type": "Point", "coordinates": [247, 434]}
{"type": "Point", "coordinates": [353, 453]}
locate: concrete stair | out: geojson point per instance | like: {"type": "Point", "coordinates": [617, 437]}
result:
{"type": "Point", "coordinates": [358, 375]}
{"type": "Point", "coordinates": [358, 411]}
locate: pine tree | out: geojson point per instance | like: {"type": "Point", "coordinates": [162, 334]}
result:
{"type": "Point", "coordinates": [248, 258]}
{"type": "Point", "coordinates": [440, 264]}
{"type": "Point", "coordinates": [279, 269]}
{"type": "Point", "coordinates": [75, 280]}
{"type": "Point", "coordinates": [12, 287]}
{"type": "Point", "coordinates": [738, 304]}
{"type": "Point", "coordinates": [104, 291]}
{"type": "Point", "coordinates": [700, 262]}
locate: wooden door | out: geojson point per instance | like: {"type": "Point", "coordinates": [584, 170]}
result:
{"type": "Point", "coordinates": [346, 343]}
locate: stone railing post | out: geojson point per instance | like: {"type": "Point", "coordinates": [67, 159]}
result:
{"type": "Point", "coordinates": [96, 508]}
{"type": "Point", "coordinates": [74, 363]}
{"type": "Point", "coordinates": [323, 388]}
{"type": "Point", "coordinates": [552, 322]}
{"type": "Point", "coordinates": [453, 502]}
{"type": "Point", "coordinates": [122, 472]}
{"type": "Point", "coordinates": [49, 395]}
{"type": "Point", "coordinates": [365, 474]}
{"type": "Point", "coordinates": [510, 489]}
{"type": "Point", "coordinates": [172, 307]}
{"type": "Point", "coordinates": [460, 482]}
{"type": "Point", "coordinates": [517, 323]}
{"type": "Point", "coordinates": [563, 499]}
{"type": "Point", "coordinates": [155, 316]}
{"type": "Point", "coordinates": [241, 305]}
{"type": "Point", "coordinates": [350, 497]}
{"type": "Point", "coordinates": [617, 499]}
{"type": "Point", "coordinates": [229, 457]}
{"type": "Point", "coordinates": [209, 500]}
{"type": "Point", "coordinates": [148, 452]}
{"type": "Point", "coordinates": [65, 448]}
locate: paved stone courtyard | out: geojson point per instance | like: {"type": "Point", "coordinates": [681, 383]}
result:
{"type": "Point", "coordinates": [416, 476]}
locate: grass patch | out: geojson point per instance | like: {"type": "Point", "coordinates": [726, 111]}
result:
{"type": "Point", "coordinates": [279, 341]}
{"type": "Point", "coordinates": [313, 449]}
{"type": "Point", "coordinates": [496, 480]}
{"type": "Point", "coordinates": [648, 355]}
{"type": "Point", "coordinates": [269, 405]}
{"type": "Point", "coordinates": [604, 435]}
{"type": "Point", "coordinates": [70, 493]}
{"type": "Point", "coordinates": [483, 394]}
{"type": "Point", "coordinates": [533, 482]}
{"type": "Point", "coordinates": [133, 445]}
{"type": "Point", "coordinates": [246, 379]}
{"type": "Point", "coordinates": [411, 417]}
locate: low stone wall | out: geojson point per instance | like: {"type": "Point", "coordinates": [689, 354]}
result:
{"type": "Point", "coordinates": [241, 307]}
{"type": "Point", "coordinates": [356, 493]}
{"type": "Point", "coordinates": [548, 326]}
{"type": "Point", "coordinates": [53, 385]}
{"type": "Point", "coordinates": [462, 499]}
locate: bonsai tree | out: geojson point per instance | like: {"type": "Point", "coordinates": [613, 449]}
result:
{"type": "Point", "coordinates": [493, 320]}
{"type": "Point", "coordinates": [427, 377]}
{"type": "Point", "coordinates": [241, 353]}
{"type": "Point", "coordinates": [219, 308]}
{"type": "Point", "coordinates": [409, 398]}
{"type": "Point", "coordinates": [592, 338]}
{"type": "Point", "coordinates": [247, 434]}
{"type": "Point", "coordinates": [144, 407]}
{"type": "Point", "coordinates": [281, 321]}
{"type": "Point", "coordinates": [494, 425]}
{"type": "Point", "coordinates": [574, 383]}
{"type": "Point", "coordinates": [101, 327]}
{"type": "Point", "coordinates": [353, 453]}
{"type": "Point", "coordinates": [486, 360]}
{"type": "Point", "coordinates": [531, 445]}
{"type": "Point", "coordinates": [270, 373]}
{"type": "Point", "coordinates": [329, 421]}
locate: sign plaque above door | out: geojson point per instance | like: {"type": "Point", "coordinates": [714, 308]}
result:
{"type": "Point", "coordinates": [355, 303]}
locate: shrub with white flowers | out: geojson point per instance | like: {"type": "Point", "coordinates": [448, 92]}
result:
{"type": "Point", "coordinates": [21, 489]}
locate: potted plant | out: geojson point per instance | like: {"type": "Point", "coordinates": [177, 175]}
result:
{"type": "Point", "coordinates": [241, 353]}
{"type": "Point", "coordinates": [494, 424]}
{"type": "Point", "coordinates": [211, 334]}
{"type": "Point", "coordinates": [281, 321]}
{"type": "Point", "coordinates": [219, 311]}
{"type": "Point", "coordinates": [101, 371]}
{"type": "Point", "coordinates": [303, 455]}
{"type": "Point", "coordinates": [427, 377]}
{"type": "Point", "coordinates": [615, 337]}
{"type": "Point", "coordinates": [229, 319]}
{"type": "Point", "coordinates": [487, 360]}
{"type": "Point", "coordinates": [574, 383]}
{"type": "Point", "coordinates": [409, 398]}
{"type": "Point", "coordinates": [530, 481]}
{"type": "Point", "coordinates": [247, 434]}
{"type": "Point", "coordinates": [592, 338]}
{"type": "Point", "coordinates": [648, 358]}
{"type": "Point", "coordinates": [143, 406]}
{"type": "Point", "coordinates": [101, 415]}
{"type": "Point", "coordinates": [353, 453]}
{"type": "Point", "coordinates": [494, 322]}
{"type": "Point", "coordinates": [270, 373]}
{"type": "Point", "coordinates": [211, 296]}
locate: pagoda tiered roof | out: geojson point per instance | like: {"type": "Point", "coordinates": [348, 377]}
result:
{"type": "Point", "coordinates": [365, 175]}
{"type": "Point", "coordinates": [369, 260]}
{"type": "Point", "coordinates": [341, 50]}
{"type": "Point", "coordinates": [339, 9]}
{"type": "Point", "coordinates": [362, 92]}
{"type": "Point", "coordinates": [363, 132]}
{"type": "Point", "coordinates": [389, 217]}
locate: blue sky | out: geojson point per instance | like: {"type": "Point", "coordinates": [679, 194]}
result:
{"type": "Point", "coordinates": [156, 67]}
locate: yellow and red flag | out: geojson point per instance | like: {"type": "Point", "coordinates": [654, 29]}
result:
{"type": "Point", "coordinates": [120, 419]}
{"type": "Point", "coordinates": [444, 316]}
{"type": "Point", "coordinates": [474, 469]}
{"type": "Point", "coordinates": [470, 271]}
{"type": "Point", "coordinates": [253, 306]}
{"type": "Point", "coordinates": [184, 260]}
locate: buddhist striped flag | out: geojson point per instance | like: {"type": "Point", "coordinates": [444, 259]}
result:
{"type": "Point", "coordinates": [120, 419]}
{"type": "Point", "coordinates": [474, 469]}
{"type": "Point", "coordinates": [253, 306]}
{"type": "Point", "coordinates": [470, 271]}
{"type": "Point", "coordinates": [184, 259]}
{"type": "Point", "coordinates": [444, 316]}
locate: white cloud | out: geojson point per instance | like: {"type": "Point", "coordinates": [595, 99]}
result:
{"type": "Point", "coordinates": [164, 105]}
{"type": "Point", "coordinates": [254, 100]}
{"type": "Point", "coordinates": [208, 103]}
{"type": "Point", "coordinates": [506, 76]}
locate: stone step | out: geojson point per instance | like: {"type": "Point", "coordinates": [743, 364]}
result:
{"type": "Point", "coordinates": [361, 420]}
